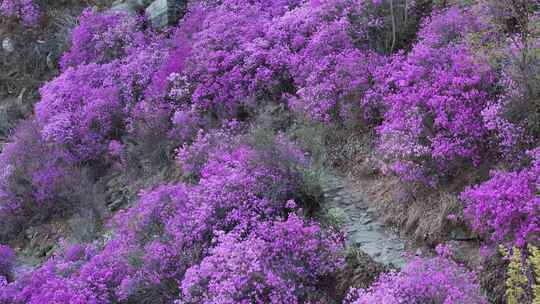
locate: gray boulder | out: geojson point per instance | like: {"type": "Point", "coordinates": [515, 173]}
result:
{"type": "Point", "coordinates": [162, 13]}
{"type": "Point", "coordinates": [130, 6]}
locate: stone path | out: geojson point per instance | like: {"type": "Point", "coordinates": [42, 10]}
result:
{"type": "Point", "coordinates": [360, 223]}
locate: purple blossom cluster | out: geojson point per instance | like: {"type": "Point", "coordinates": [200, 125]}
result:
{"type": "Point", "coordinates": [126, 86]}
{"type": "Point", "coordinates": [302, 53]}
{"type": "Point", "coordinates": [99, 101]}
{"type": "Point", "coordinates": [26, 11]}
{"type": "Point", "coordinates": [506, 208]}
{"type": "Point", "coordinates": [190, 242]}
{"type": "Point", "coordinates": [101, 38]}
{"type": "Point", "coordinates": [437, 280]}
{"type": "Point", "coordinates": [229, 230]}
{"type": "Point", "coordinates": [433, 98]}
{"type": "Point", "coordinates": [278, 262]}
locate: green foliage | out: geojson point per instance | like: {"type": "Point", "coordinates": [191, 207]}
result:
{"type": "Point", "coordinates": [516, 282]}
{"type": "Point", "coordinates": [335, 217]}
{"type": "Point", "coordinates": [523, 275]}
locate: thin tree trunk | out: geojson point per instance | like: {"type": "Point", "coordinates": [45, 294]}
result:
{"type": "Point", "coordinates": [406, 12]}
{"type": "Point", "coordinates": [393, 25]}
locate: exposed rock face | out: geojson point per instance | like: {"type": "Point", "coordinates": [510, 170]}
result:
{"type": "Point", "coordinates": [165, 12]}
{"type": "Point", "coordinates": [363, 230]}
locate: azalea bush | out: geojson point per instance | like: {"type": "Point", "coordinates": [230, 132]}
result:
{"type": "Point", "coordinates": [227, 70]}
{"type": "Point", "coordinates": [512, 117]}
{"type": "Point", "coordinates": [222, 220]}
{"type": "Point", "coordinates": [279, 262]}
{"type": "Point", "coordinates": [317, 44]}
{"type": "Point", "coordinates": [437, 280]}
{"type": "Point", "coordinates": [87, 120]}
{"type": "Point", "coordinates": [25, 11]}
{"type": "Point", "coordinates": [506, 207]}
{"type": "Point", "coordinates": [101, 38]}
{"type": "Point", "coordinates": [433, 97]}
{"type": "Point", "coordinates": [175, 227]}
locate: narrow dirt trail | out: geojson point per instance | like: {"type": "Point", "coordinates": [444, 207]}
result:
{"type": "Point", "coordinates": [360, 223]}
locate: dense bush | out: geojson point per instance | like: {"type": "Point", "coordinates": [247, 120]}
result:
{"type": "Point", "coordinates": [172, 228]}
{"type": "Point", "coordinates": [436, 280]}
{"type": "Point", "coordinates": [93, 106]}
{"type": "Point", "coordinates": [226, 72]}
{"type": "Point", "coordinates": [279, 262]}
{"type": "Point", "coordinates": [506, 207]}
{"type": "Point", "coordinates": [314, 54]}
{"type": "Point", "coordinates": [434, 96]}
{"type": "Point", "coordinates": [24, 10]}
{"type": "Point", "coordinates": [100, 38]}
{"type": "Point", "coordinates": [316, 43]}
{"type": "Point", "coordinates": [38, 181]}
{"type": "Point", "coordinates": [79, 110]}
{"type": "Point", "coordinates": [227, 229]}
{"type": "Point", "coordinates": [90, 104]}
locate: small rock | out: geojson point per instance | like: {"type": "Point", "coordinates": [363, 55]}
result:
{"type": "Point", "coordinates": [459, 234]}
{"type": "Point", "coordinates": [7, 45]}
{"type": "Point", "coordinates": [50, 61]}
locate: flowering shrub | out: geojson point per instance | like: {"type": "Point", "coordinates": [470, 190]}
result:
{"type": "Point", "coordinates": [330, 73]}
{"type": "Point", "coordinates": [506, 207]}
{"type": "Point", "coordinates": [437, 280]}
{"type": "Point", "coordinates": [512, 117]}
{"type": "Point", "coordinates": [100, 38]}
{"type": "Point", "coordinates": [434, 97]}
{"type": "Point", "coordinates": [171, 229]}
{"type": "Point", "coordinates": [257, 51]}
{"type": "Point", "coordinates": [279, 262]}
{"type": "Point", "coordinates": [228, 232]}
{"type": "Point", "coordinates": [99, 98]}
{"type": "Point", "coordinates": [79, 114]}
{"type": "Point", "coordinates": [37, 181]}
{"type": "Point", "coordinates": [79, 110]}
{"type": "Point", "coordinates": [24, 10]}
{"type": "Point", "coordinates": [92, 103]}
{"type": "Point", "coordinates": [193, 157]}
{"type": "Point", "coordinates": [226, 78]}
{"type": "Point", "coordinates": [49, 283]}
